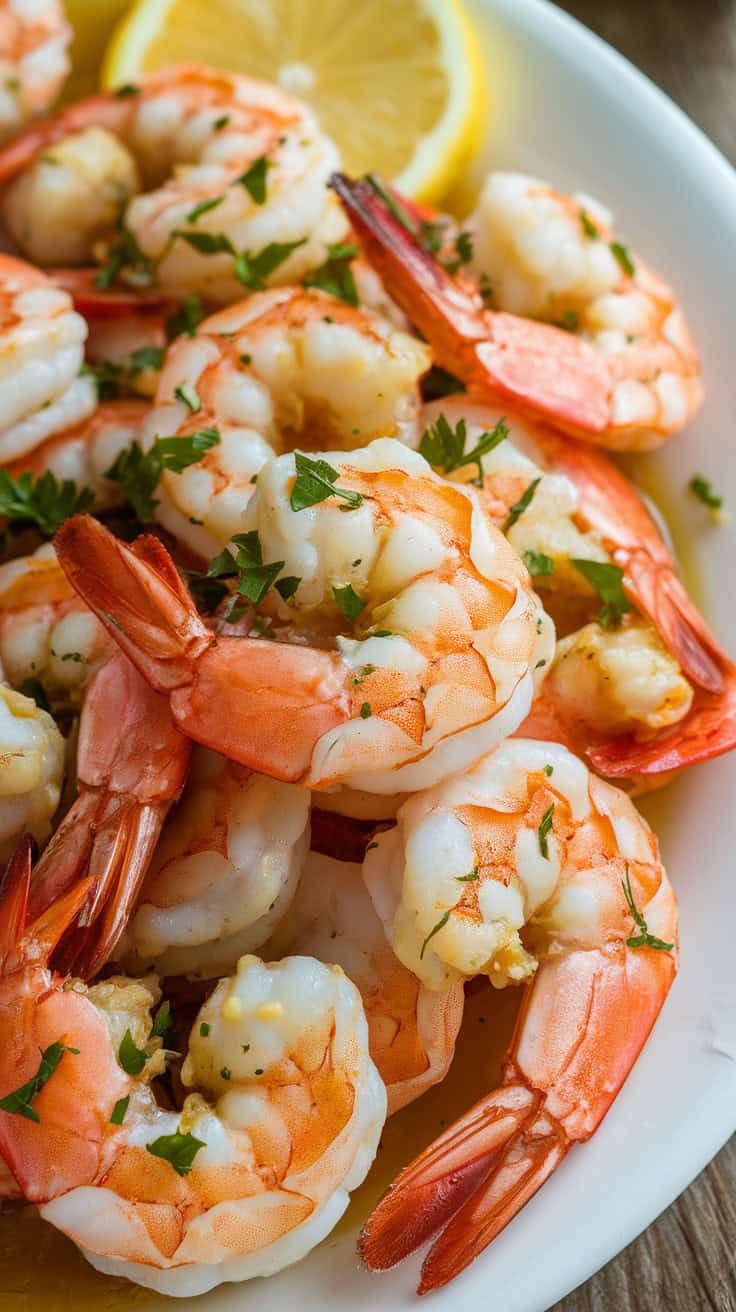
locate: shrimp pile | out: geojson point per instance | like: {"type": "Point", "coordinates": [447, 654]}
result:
{"type": "Point", "coordinates": [331, 631]}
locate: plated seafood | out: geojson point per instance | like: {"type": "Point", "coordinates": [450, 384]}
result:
{"type": "Point", "coordinates": [330, 631]}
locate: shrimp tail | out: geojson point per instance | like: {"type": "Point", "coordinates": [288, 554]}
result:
{"type": "Point", "coordinates": [138, 595]}
{"type": "Point", "coordinates": [263, 704]}
{"type": "Point", "coordinates": [548, 371]}
{"type": "Point", "coordinates": [708, 730]}
{"type": "Point", "coordinates": [129, 776]}
{"type": "Point", "coordinates": [583, 1023]}
{"type": "Point", "coordinates": [48, 928]}
{"type": "Point", "coordinates": [661, 596]}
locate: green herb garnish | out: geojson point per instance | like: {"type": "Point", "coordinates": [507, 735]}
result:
{"type": "Point", "coordinates": [539, 564]}
{"type": "Point", "coordinates": [315, 482]}
{"type": "Point", "coordinates": [644, 939]}
{"type": "Point", "coordinates": [335, 276]}
{"type": "Point", "coordinates": [608, 583]}
{"type": "Point", "coordinates": [161, 1021]}
{"type": "Point", "coordinates": [190, 396]}
{"type": "Point", "coordinates": [444, 446]}
{"type": "Point", "coordinates": [544, 830]}
{"type": "Point", "coordinates": [131, 1058]}
{"type": "Point", "coordinates": [204, 207]}
{"type": "Point", "coordinates": [348, 601]}
{"type": "Point", "coordinates": [469, 879]}
{"type": "Point", "coordinates": [621, 253]}
{"type": "Point", "coordinates": [20, 1101]}
{"type": "Point", "coordinates": [138, 472]}
{"type": "Point", "coordinates": [43, 502]}
{"type": "Point", "coordinates": [701, 488]}
{"type": "Point", "coordinates": [588, 226]}
{"type": "Point", "coordinates": [518, 508]}
{"type": "Point", "coordinates": [186, 319]}
{"type": "Point", "coordinates": [434, 930]}
{"type": "Point", "coordinates": [253, 270]}
{"type": "Point", "coordinates": [254, 179]}
{"type": "Point", "coordinates": [178, 1149]}
{"type": "Point", "coordinates": [117, 1116]}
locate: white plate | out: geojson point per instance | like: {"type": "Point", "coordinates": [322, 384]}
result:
{"type": "Point", "coordinates": [564, 105]}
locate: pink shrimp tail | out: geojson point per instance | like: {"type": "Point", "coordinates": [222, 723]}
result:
{"type": "Point", "coordinates": [708, 730]}
{"type": "Point", "coordinates": [584, 1021]}
{"type": "Point", "coordinates": [543, 369]}
{"type": "Point", "coordinates": [104, 110]}
{"type": "Point", "coordinates": [132, 766]}
{"type": "Point", "coordinates": [263, 704]}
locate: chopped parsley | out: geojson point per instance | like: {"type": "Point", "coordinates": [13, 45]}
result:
{"type": "Point", "coordinates": [186, 319]}
{"type": "Point", "coordinates": [539, 564]}
{"type": "Point", "coordinates": [701, 488]}
{"type": "Point", "coordinates": [206, 243]}
{"type": "Point", "coordinates": [146, 357]}
{"type": "Point", "coordinates": [43, 502]}
{"type": "Point", "coordinates": [315, 482]}
{"type": "Point", "coordinates": [549, 771]}
{"type": "Point", "coordinates": [463, 252]}
{"type": "Point", "coordinates": [226, 1073]}
{"type": "Point", "coordinates": [204, 207]}
{"type": "Point", "coordinates": [544, 830]}
{"type": "Point", "coordinates": [365, 711]}
{"type": "Point", "coordinates": [161, 1021]}
{"type": "Point", "coordinates": [348, 601]}
{"type": "Point", "coordinates": [204, 1029]}
{"type": "Point", "coordinates": [20, 1101]}
{"type": "Point", "coordinates": [518, 508]}
{"type": "Point", "coordinates": [444, 446]}
{"type": "Point", "coordinates": [434, 930]}
{"type": "Point", "coordinates": [254, 578]}
{"type": "Point", "coordinates": [608, 583]}
{"type": "Point", "coordinates": [178, 1149]}
{"type": "Point", "coordinates": [621, 254]}
{"type": "Point", "coordinates": [469, 879]}
{"type": "Point", "coordinates": [254, 179]}
{"type": "Point", "coordinates": [131, 1058]}
{"type": "Point", "coordinates": [221, 122]}
{"type": "Point", "coordinates": [643, 939]}
{"type": "Point", "coordinates": [127, 91]}
{"type": "Point", "coordinates": [366, 670]}
{"type": "Point", "coordinates": [287, 586]}
{"type": "Point", "coordinates": [253, 270]}
{"type": "Point", "coordinates": [335, 276]}
{"type": "Point", "coordinates": [190, 397]}
{"type": "Point", "coordinates": [588, 226]}
{"type": "Point", "coordinates": [138, 472]}
{"type": "Point", "coordinates": [117, 1116]}
{"type": "Point", "coordinates": [570, 321]}
{"type": "Point", "coordinates": [125, 253]}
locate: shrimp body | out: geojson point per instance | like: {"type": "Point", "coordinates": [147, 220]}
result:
{"type": "Point", "coordinates": [46, 633]}
{"type": "Point", "coordinates": [194, 133]}
{"type": "Point", "coordinates": [31, 769]}
{"type": "Point", "coordinates": [84, 452]}
{"type": "Point", "coordinates": [286, 368]}
{"type": "Point", "coordinates": [527, 868]}
{"type": "Point", "coordinates": [282, 1116]}
{"type": "Point", "coordinates": [412, 1029]}
{"type": "Point", "coordinates": [597, 385]}
{"type": "Point", "coordinates": [435, 662]}
{"type": "Point", "coordinates": [224, 873]}
{"type": "Point", "coordinates": [41, 355]}
{"type": "Point", "coordinates": [34, 59]}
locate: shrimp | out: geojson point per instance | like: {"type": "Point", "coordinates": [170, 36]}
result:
{"type": "Point", "coordinates": [224, 873]}
{"type": "Point", "coordinates": [527, 868]}
{"type": "Point", "coordinates": [436, 628]}
{"type": "Point", "coordinates": [41, 355]}
{"type": "Point", "coordinates": [285, 368]}
{"type": "Point", "coordinates": [83, 453]}
{"type": "Point", "coordinates": [597, 386]}
{"type": "Point", "coordinates": [47, 635]}
{"type": "Point", "coordinates": [132, 764]}
{"type": "Point", "coordinates": [281, 1120]}
{"type": "Point", "coordinates": [412, 1028]}
{"type": "Point", "coordinates": [31, 769]}
{"type": "Point", "coordinates": [34, 59]}
{"type": "Point", "coordinates": [235, 173]}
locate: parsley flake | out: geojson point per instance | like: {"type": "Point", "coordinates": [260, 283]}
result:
{"type": "Point", "coordinates": [348, 601]}
{"type": "Point", "coordinates": [138, 472]}
{"type": "Point", "coordinates": [608, 583]}
{"type": "Point", "coordinates": [701, 488]}
{"type": "Point", "coordinates": [254, 179]}
{"type": "Point", "coordinates": [117, 1115]}
{"type": "Point", "coordinates": [204, 207]}
{"type": "Point", "coordinates": [539, 564]}
{"type": "Point", "coordinates": [518, 508]}
{"type": "Point", "coordinates": [131, 1058]}
{"type": "Point", "coordinates": [20, 1101]}
{"type": "Point", "coordinates": [186, 319]}
{"type": "Point", "coordinates": [644, 939]}
{"type": "Point", "coordinates": [190, 396]}
{"type": "Point", "coordinates": [161, 1021]}
{"type": "Point", "coordinates": [43, 502]}
{"type": "Point", "coordinates": [178, 1149]}
{"type": "Point", "coordinates": [204, 1029]}
{"type": "Point", "coordinates": [544, 830]}
{"type": "Point", "coordinates": [444, 446]}
{"type": "Point", "coordinates": [621, 254]}
{"type": "Point", "coordinates": [315, 480]}
{"type": "Point", "coordinates": [434, 930]}
{"type": "Point", "coordinates": [588, 226]}
{"type": "Point", "coordinates": [469, 879]}
{"type": "Point", "coordinates": [253, 270]}
{"type": "Point", "coordinates": [365, 711]}
{"type": "Point", "coordinates": [335, 276]}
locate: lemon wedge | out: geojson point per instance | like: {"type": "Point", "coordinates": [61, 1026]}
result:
{"type": "Point", "coordinates": [92, 22]}
{"type": "Point", "coordinates": [396, 83]}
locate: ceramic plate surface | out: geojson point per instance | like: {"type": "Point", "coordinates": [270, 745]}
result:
{"type": "Point", "coordinates": [564, 106]}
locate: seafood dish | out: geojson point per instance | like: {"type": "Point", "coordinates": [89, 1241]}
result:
{"type": "Point", "coordinates": [336, 648]}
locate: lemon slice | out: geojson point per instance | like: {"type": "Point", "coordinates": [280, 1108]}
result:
{"type": "Point", "coordinates": [92, 21]}
{"type": "Point", "coordinates": [396, 83]}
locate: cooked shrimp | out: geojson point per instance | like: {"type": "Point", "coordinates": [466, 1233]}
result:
{"type": "Point", "coordinates": [31, 769]}
{"type": "Point", "coordinates": [84, 453]}
{"type": "Point", "coordinates": [131, 766]}
{"type": "Point", "coordinates": [236, 166]}
{"type": "Point", "coordinates": [286, 368]}
{"type": "Point", "coordinates": [47, 633]}
{"type": "Point", "coordinates": [281, 1120]}
{"type": "Point", "coordinates": [412, 1029]}
{"type": "Point", "coordinates": [224, 873]}
{"type": "Point", "coordinates": [601, 517]}
{"type": "Point", "coordinates": [596, 385]}
{"type": "Point", "coordinates": [436, 628]}
{"type": "Point", "coordinates": [526, 868]}
{"type": "Point", "coordinates": [34, 59]}
{"type": "Point", "coordinates": [41, 354]}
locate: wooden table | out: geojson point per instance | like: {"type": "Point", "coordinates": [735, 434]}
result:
{"type": "Point", "coordinates": [686, 1260]}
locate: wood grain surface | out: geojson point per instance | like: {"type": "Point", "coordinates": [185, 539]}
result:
{"type": "Point", "coordinates": [686, 1260]}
